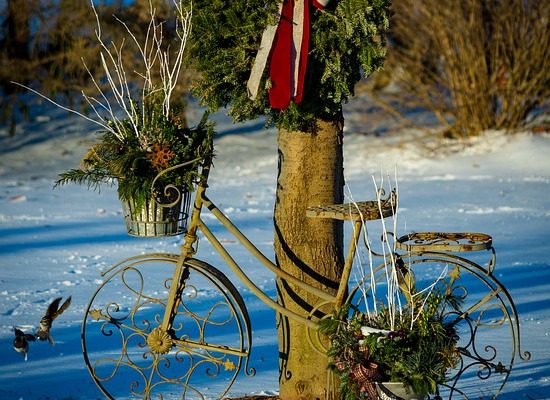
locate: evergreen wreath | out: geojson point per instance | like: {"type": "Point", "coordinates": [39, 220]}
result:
{"type": "Point", "coordinates": [347, 42]}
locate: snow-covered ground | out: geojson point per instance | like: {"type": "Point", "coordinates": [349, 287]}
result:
{"type": "Point", "coordinates": [55, 242]}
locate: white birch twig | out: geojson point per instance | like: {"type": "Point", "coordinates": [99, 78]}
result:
{"type": "Point", "coordinates": [103, 125]}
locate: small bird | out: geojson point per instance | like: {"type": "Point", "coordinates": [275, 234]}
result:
{"type": "Point", "coordinates": [52, 313]}
{"type": "Point", "coordinates": [21, 341]}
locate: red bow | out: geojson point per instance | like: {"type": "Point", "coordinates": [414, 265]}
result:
{"type": "Point", "coordinates": [287, 46]}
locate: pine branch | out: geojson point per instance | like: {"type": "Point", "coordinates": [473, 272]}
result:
{"type": "Point", "coordinates": [92, 178]}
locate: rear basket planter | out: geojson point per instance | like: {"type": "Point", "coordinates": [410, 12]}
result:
{"type": "Point", "coordinates": [157, 218]}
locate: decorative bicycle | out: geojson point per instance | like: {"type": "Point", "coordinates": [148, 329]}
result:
{"type": "Point", "coordinates": [178, 321]}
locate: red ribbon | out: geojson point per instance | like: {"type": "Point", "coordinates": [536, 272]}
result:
{"type": "Point", "coordinates": [288, 65]}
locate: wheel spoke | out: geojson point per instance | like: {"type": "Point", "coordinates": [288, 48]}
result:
{"type": "Point", "coordinates": [211, 347]}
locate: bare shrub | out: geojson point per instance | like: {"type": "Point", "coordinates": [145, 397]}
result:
{"type": "Point", "coordinates": [477, 64]}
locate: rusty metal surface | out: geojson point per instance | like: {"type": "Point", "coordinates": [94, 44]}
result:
{"type": "Point", "coordinates": [445, 241]}
{"type": "Point", "coordinates": [359, 211]}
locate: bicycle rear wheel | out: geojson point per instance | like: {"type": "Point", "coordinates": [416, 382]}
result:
{"type": "Point", "coordinates": [208, 346]}
{"type": "Point", "coordinates": [487, 324]}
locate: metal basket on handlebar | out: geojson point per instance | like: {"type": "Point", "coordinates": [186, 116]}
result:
{"type": "Point", "coordinates": [166, 216]}
{"type": "Point", "coordinates": [165, 212]}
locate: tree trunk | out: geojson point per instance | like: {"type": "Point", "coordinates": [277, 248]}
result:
{"type": "Point", "coordinates": [18, 33]}
{"type": "Point", "coordinates": [310, 174]}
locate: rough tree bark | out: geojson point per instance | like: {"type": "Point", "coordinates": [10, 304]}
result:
{"type": "Point", "coordinates": [310, 173]}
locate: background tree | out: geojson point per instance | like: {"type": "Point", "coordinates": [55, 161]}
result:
{"type": "Point", "coordinates": [45, 43]}
{"type": "Point", "coordinates": [54, 37]}
{"type": "Point", "coordinates": [346, 43]}
{"type": "Point", "coordinates": [15, 49]}
{"type": "Point", "coordinates": [477, 64]}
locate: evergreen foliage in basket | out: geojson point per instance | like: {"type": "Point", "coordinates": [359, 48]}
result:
{"type": "Point", "coordinates": [416, 347]}
{"type": "Point", "coordinates": [135, 162]}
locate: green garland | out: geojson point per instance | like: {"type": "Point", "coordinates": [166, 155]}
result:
{"type": "Point", "coordinates": [347, 42]}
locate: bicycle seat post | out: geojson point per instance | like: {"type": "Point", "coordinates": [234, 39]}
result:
{"type": "Point", "coordinates": [359, 213]}
{"type": "Point", "coordinates": [348, 264]}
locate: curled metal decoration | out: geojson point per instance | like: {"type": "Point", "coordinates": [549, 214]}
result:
{"type": "Point", "coordinates": [170, 188]}
{"type": "Point", "coordinates": [487, 306]}
{"type": "Point", "coordinates": [173, 194]}
{"type": "Point", "coordinates": [165, 212]}
{"type": "Point", "coordinates": [210, 337]}
{"type": "Point", "coordinates": [316, 339]}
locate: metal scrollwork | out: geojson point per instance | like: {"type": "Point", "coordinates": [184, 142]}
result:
{"type": "Point", "coordinates": [166, 211]}
{"type": "Point", "coordinates": [171, 192]}
{"type": "Point", "coordinates": [487, 307]}
{"type": "Point", "coordinates": [445, 241]}
{"type": "Point", "coordinates": [127, 351]}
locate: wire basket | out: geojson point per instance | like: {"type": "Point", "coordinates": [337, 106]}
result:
{"type": "Point", "coordinates": [158, 217]}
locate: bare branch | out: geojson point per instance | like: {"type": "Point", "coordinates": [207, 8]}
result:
{"type": "Point", "coordinates": [104, 126]}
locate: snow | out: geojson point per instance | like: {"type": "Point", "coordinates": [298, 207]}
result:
{"type": "Point", "coordinates": [55, 242]}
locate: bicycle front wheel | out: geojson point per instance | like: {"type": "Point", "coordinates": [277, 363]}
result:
{"type": "Point", "coordinates": [208, 345]}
